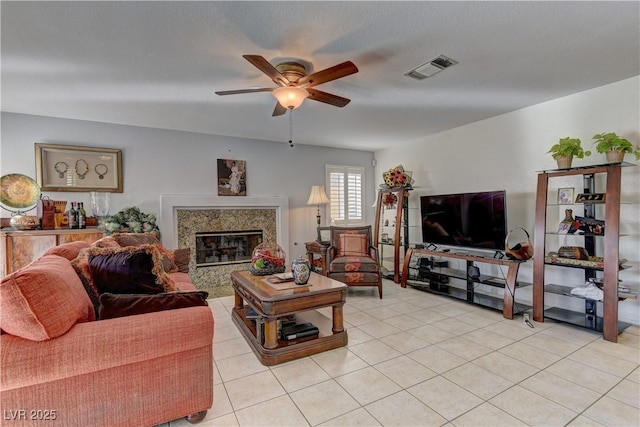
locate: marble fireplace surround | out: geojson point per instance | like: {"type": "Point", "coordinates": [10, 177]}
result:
{"type": "Point", "coordinates": [170, 204]}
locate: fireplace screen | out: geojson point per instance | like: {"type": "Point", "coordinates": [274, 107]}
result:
{"type": "Point", "coordinates": [226, 247]}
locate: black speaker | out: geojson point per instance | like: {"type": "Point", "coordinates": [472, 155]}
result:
{"type": "Point", "coordinates": [473, 272]}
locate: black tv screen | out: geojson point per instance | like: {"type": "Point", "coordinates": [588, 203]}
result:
{"type": "Point", "coordinates": [474, 220]}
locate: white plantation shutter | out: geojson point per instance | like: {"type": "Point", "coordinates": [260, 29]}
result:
{"type": "Point", "coordinates": [345, 193]}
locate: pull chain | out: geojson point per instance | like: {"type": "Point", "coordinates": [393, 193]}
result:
{"type": "Point", "coordinates": [291, 127]}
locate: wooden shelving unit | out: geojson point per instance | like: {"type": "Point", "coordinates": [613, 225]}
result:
{"type": "Point", "coordinates": [391, 232]}
{"type": "Point", "coordinates": [607, 322]}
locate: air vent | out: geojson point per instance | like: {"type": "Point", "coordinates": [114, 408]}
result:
{"type": "Point", "coordinates": [430, 68]}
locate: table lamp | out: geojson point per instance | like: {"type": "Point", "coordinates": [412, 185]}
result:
{"type": "Point", "coordinates": [317, 197]}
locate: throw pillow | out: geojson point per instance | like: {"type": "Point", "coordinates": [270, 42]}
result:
{"type": "Point", "coordinates": [181, 257]}
{"type": "Point", "coordinates": [44, 300]}
{"type": "Point", "coordinates": [69, 251]}
{"type": "Point", "coordinates": [137, 239]}
{"type": "Point", "coordinates": [129, 270]}
{"type": "Point", "coordinates": [114, 305]}
{"type": "Point", "coordinates": [352, 244]}
{"type": "Point", "coordinates": [83, 269]}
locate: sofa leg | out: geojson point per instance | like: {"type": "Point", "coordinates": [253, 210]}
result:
{"type": "Point", "coordinates": [196, 417]}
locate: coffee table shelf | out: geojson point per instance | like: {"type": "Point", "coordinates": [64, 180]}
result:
{"type": "Point", "coordinates": [271, 305]}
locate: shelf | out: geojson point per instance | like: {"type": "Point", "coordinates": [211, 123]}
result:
{"type": "Point", "coordinates": [597, 265]}
{"type": "Point", "coordinates": [476, 298]}
{"type": "Point", "coordinates": [566, 291]}
{"type": "Point", "coordinates": [579, 319]}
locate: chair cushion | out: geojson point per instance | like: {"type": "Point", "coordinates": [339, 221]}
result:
{"type": "Point", "coordinates": [353, 244]}
{"type": "Point", "coordinates": [353, 263]}
{"type": "Point", "coordinates": [43, 300]}
{"type": "Point", "coordinates": [356, 277]}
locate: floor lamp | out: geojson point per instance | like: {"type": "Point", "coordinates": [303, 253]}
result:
{"type": "Point", "coordinates": [318, 197]}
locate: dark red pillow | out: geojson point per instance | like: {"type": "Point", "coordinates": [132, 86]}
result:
{"type": "Point", "coordinates": [120, 305]}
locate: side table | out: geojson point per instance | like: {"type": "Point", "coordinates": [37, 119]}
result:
{"type": "Point", "coordinates": [315, 249]}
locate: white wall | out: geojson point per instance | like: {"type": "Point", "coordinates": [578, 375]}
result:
{"type": "Point", "coordinates": [157, 161]}
{"type": "Point", "coordinates": [505, 152]}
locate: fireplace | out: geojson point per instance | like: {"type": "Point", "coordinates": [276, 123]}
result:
{"type": "Point", "coordinates": [225, 247]}
{"type": "Point", "coordinates": [183, 218]}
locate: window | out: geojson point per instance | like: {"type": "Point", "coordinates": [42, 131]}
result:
{"type": "Point", "coordinates": [346, 195]}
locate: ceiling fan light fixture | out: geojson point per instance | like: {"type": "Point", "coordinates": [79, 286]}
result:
{"type": "Point", "coordinates": [290, 96]}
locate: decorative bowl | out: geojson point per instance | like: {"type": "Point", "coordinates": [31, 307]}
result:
{"type": "Point", "coordinates": [267, 258]}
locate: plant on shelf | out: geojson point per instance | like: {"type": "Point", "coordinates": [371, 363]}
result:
{"type": "Point", "coordinates": [131, 220]}
{"type": "Point", "coordinates": [564, 151]}
{"type": "Point", "coordinates": [615, 147]}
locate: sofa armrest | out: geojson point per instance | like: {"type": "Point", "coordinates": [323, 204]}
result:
{"type": "Point", "coordinates": [92, 346]}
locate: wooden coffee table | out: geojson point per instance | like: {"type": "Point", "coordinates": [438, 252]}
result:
{"type": "Point", "coordinates": [302, 301]}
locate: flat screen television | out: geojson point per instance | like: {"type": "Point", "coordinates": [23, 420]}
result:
{"type": "Point", "coordinates": [473, 220]}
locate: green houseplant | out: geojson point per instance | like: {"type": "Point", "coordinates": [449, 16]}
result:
{"type": "Point", "coordinates": [564, 151]}
{"type": "Point", "coordinates": [615, 147]}
{"type": "Point", "coordinates": [131, 220]}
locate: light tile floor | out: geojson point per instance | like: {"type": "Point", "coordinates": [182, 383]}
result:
{"type": "Point", "coordinates": [417, 359]}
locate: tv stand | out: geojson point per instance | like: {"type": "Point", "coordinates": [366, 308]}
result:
{"type": "Point", "coordinates": [470, 294]}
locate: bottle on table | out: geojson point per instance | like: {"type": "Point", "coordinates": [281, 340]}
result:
{"type": "Point", "coordinates": [72, 214]}
{"type": "Point", "coordinates": [82, 216]}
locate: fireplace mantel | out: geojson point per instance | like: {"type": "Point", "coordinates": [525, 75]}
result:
{"type": "Point", "coordinates": [171, 203]}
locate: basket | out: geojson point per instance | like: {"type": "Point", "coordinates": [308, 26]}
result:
{"type": "Point", "coordinates": [267, 258]}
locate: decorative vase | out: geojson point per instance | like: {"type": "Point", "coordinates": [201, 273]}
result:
{"type": "Point", "coordinates": [615, 156]}
{"type": "Point", "coordinates": [301, 270]}
{"type": "Point", "coordinates": [564, 162]}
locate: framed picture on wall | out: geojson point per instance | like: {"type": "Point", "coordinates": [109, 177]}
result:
{"type": "Point", "coordinates": [76, 168]}
{"type": "Point", "coordinates": [232, 177]}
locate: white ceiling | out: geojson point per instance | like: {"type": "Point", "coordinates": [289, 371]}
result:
{"type": "Point", "coordinates": [157, 64]}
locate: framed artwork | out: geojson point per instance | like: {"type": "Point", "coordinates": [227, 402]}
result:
{"type": "Point", "coordinates": [232, 177]}
{"type": "Point", "coordinates": [565, 196]}
{"type": "Point", "coordinates": [76, 168]}
{"type": "Point", "coordinates": [324, 235]}
{"type": "Point", "coordinates": [591, 198]}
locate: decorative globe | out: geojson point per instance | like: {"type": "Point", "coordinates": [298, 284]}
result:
{"type": "Point", "coordinates": [267, 258]}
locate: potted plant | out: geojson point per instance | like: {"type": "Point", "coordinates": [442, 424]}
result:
{"type": "Point", "coordinates": [564, 151]}
{"type": "Point", "coordinates": [614, 146]}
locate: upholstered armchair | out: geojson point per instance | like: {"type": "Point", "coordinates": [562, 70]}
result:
{"type": "Point", "coordinates": [352, 259]}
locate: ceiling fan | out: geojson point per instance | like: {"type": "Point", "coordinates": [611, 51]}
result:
{"type": "Point", "coordinates": [294, 83]}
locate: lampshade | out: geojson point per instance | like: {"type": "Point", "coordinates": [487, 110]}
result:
{"type": "Point", "coordinates": [290, 96]}
{"type": "Point", "coordinates": [317, 196]}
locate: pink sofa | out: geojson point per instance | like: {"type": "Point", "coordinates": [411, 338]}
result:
{"type": "Point", "coordinates": [60, 366]}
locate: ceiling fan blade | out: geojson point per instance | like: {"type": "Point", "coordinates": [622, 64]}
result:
{"type": "Point", "coordinates": [263, 65]}
{"type": "Point", "coordinates": [328, 74]}
{"type": "Point", "coordinates": [279, 110]}
{"type": "Point", "coordinates": [239, 91]}
{"type": "Point", "coordinates": [327, 98]}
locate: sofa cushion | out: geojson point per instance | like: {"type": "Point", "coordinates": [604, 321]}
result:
{"type": "Point", "coordinates": [120, 305]}
{"type": "Point", "coordinates": [43, 300]}
{"type": "Point", "coordinates": [137, 239]}
{"type": "Point", "coordinates": [129, 270]}
{"type": "Point", "coordinates": [183, 281]}
{"type": "Point", "coordinates": [69, 251]}
{"type": "Point", "coordinates": [353, 244]}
